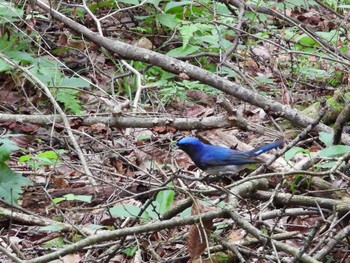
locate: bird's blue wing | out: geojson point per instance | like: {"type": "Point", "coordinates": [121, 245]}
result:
{"type": "Point", "coordinates": [219, 156]}
{"type": "Point", "coordinates": [265, 148]}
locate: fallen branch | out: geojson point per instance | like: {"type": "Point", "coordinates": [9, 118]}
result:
{"type": "Point", "coordinates": [179, 123]}
{"type": "Point", "coordinates": [176, 66]}
{"type": "Point", "coordinates": [114, 235]}
{"type": "Point", "coordinates": [309, 201]}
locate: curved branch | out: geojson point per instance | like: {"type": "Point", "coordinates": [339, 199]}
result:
{"type": "Point", "coordinates": [176, 66]}
{"type": "Point", "coordinates": [309, 201]}
{"type": "Point", "coordinates": [113, 235]}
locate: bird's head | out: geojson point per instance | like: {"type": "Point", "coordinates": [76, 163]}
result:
{"type": "Point", "coordinates": [190, 144]}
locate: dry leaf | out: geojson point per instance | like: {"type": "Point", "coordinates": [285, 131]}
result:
{"type": "Point", "coordinates": [286, 96]}
{"type": "Point", "coordinates": [23, 141]}
{"type": "Point", "coordinates": [70, 258]}
{"type": "Point", "coordinates": [194, 111]}
{"type": "Point", "coordinates": [198, 233]}
{"type": "Point", "coordinates": [261, 52]}
{"type": "Point", "coordinates": [201, 97]}
{"type": "Point", "coordinates": [235, 236]}
{"type": "Point", "coordinates": [60, 182]}
{"type": "Point", "coordinates": [164, 129]}
{"type": "Point", "coordinates": [99, 128]}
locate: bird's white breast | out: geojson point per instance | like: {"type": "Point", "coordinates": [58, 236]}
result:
{"type": "Point", "coordinates": [225, 169]}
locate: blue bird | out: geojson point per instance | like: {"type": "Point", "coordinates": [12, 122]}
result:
{"type": "Point", "coordinates": [218, 160]}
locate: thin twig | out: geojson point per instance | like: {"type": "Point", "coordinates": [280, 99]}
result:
{"type": "Point", "coordinates": [59, 110]}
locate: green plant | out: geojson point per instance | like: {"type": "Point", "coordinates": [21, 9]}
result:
{"type": "Point", "coordinates": [9, 12]}
{"type": "Point", "coordinates": [42, 159]}
{"type": "Point", "coordinates": [11, 183]}
{"type": "Point", "coordinates": [159, 206]}
{"type": "Point", "coordinates": [298, 180]}
{"type": "Point", "coordinates": [177, 90]}
{"type": "Point", "coordinates": [17, 47]}
{"type": "Point", "coordinates": [328, 154]}
{"type": "Point", "coordinates": [73, 197]}
{"type": "Point", "coordinates": [130, 251]}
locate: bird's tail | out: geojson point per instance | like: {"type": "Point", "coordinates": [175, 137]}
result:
{"type": "Point", "coordinates": [265, 148]}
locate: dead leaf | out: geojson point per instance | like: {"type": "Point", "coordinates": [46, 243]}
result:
{"type": "Point", "coordinates": [67, 171]}
{"type": "Point", "coordinates": [60, 182]}
{"type": "Point", "coordinates": [201, 97]}
{"type": "Point", "coordinates": [183, 161]}
{"type": "Point", "coordinates": [9, 97]}
{"type": "Point", "coordinates": [251, 65]}
{"type": "Point", "coordinates": [63, 40]}
{"type": "Point", "coordinates": [118, 165]}
{"type": "Point", "coordinates": [182, 76]}
{"type": "Point", "coordinates": [198, 233]}
{"type": "Point", "coordinates": [235, 236]}
{"type": "Point", "coordinates": [164, 129]}
{"type": "Point", "coordinates": [286, 96]}
{"type": "Point", "coordinates": [29, 128]}
{"type": "Point", "coordinates": [144, 42]}
{"type": "Point", "coordinates": [229, 37]}
{"type": "Point", "coordinates": [23, 141]}
{"type": "Point", "coordinates": [99, 128]}
{"type": "Point", "coordinates": [71, 258]}
{"type": "Point", "coordinates": [75, 123]}
{"type": "Point", "coordinates": [194, 111]}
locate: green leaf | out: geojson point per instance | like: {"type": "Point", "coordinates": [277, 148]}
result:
{"type": "Point", "coordinates": [331, 36]}
{"type": "Point", "coordinates": [144, 137]}
{"type": "Point", "coordinates": [263, 80]}
{"type": "Point", "coordinates": [222, 9]}
{"type": "Point", "coordinates": [73, 197]}
{"type": "Point", "coordinates": [37, 162]}
{"type": "Point", "coordinates": [168, 20]}
{"type": "Point", "coordinates": [6, 148]}
{"type": "Point", "coordinates": [214, 41]}
{"type": "Point", "coordinates": [154, 2]}
{"type": "Point", "coordinates": [130, 251]}
{"type": "Point", "coordinates": [181, 51]}
{"type": "Point", "coordinates": [173, 4]}
{"type": "Point", "coordinates": [95, 227]}
{"type": "Point", "coordinates": [131, 2]}
{"type": "Point", "coordinates": [21, 57]}
{"type": "Point", "coordinates": [48, 155]}
{"type": "Point", "coordinates": [51, 228]}
{"type": "Point", "coordinates": [10, 13]}
{"type": "Point", "coordinates": [69, 98]}
{"type": "Point", "coordinates": [74, 83]}
{"type": "Point", "coordinates": [56, 242]}
{"type": "Point", "coordinates": [11, 184]}
{"type": "Point", "coordinates": [41, 159]}
{"type": "Point", "coordinates": [187, 32]}
{"type": "Point", "coordinates": [164, 200]}
{"type": "Point", "coordinates": [296, 181]}
{"type": "Point", "coordinates": [47, 70]}
{"type": "Point", "coordinates": [314, 73]}
{"type": "Point", "coordinates": [326, 165]}
{"type": "Point", "coordinates": [289, 155]}
{"type": "Point", "coordinates": [334, 151]}
{"type": "Point", "coordinates": [306, 40]}
{"type": "Point", "coordinates": [125, 211]}
{"type": "Point", "coordinates": [186, 212]}
{"type": "Point", "coordinates": [24, 158]}
{"type": "Point", "coordinates": [58, 200]}
{"type": "Point", "coordinates": [4, 67]}
{"type": "Point", "coordinates": [326, 138]}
